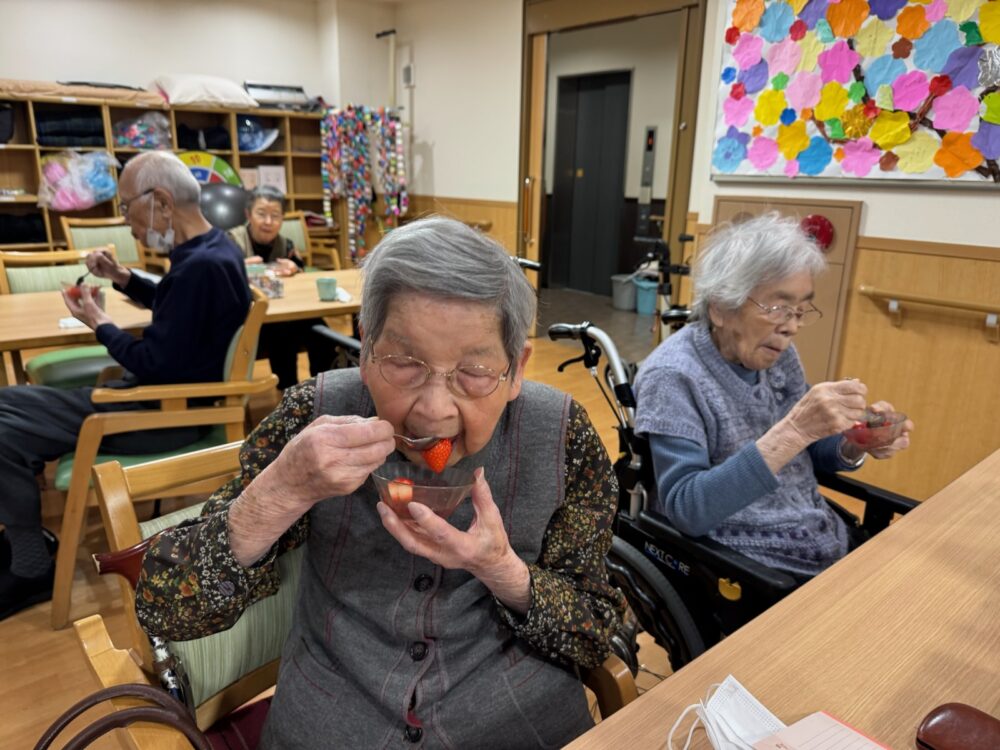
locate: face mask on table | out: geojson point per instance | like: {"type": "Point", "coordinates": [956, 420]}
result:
{"type": "Point", "coordinates": [732, 717]}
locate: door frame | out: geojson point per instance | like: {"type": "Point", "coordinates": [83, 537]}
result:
{"type": "Point", "coordinates": [541, 18]}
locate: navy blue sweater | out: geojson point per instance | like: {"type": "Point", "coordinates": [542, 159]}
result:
{"type": "Point", "coordinates": [197, 307]}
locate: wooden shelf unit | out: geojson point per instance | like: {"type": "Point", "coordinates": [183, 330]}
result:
{"type": "Point", "coordinates": [297, 149]}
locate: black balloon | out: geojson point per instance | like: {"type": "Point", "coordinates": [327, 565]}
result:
{"type": "Point", "coordinates": [224, 205]}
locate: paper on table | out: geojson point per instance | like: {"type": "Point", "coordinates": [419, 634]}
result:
{"type": "Point", "coordinates": [343, 295]}
{"type": "Point", "coordinates": [818, 731]}
{"type": "Point", "coordinates": [71, 323]}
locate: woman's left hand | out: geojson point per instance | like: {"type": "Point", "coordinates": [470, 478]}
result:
{"type": "Point", "coordinates": [900, 443]}
{"type": "Point", "coordinates": [484, 550]}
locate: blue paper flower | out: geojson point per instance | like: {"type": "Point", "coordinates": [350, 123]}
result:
{"type": "Point", "coordinates": [728, 75]}
{"type": "Point", "coordinates": [729, 152]}
{"type": "Point", "coordinates": [932, 50]}
{"type": "Point", "coordinates": [814, 159]}
{"type": "Point", "coordinates": [776, 22]}
{"type": "Point", "coordinates": [883, 70]}
{"type": "Point", "coordinates": [788, 116]}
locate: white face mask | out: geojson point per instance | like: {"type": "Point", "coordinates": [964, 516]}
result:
{"type": "Point", "coordinates": [159, 242]}
{"type": "Point", "coordinates": [732, 717]}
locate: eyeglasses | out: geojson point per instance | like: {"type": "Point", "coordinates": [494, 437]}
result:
{"type": "Point", "coordinates": [467, 381]}
{"type": "Point", "coordinates": [781, 314]}
{"type": "Point", "coordinates": [263, 215]}
{"type": "Point", "coordinates": [123, 205]}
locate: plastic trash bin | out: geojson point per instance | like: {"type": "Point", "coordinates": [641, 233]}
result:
{"type": "Point", "coordinates": [622, 292]}
{"type": "Point", "coordinates": [645, 298]}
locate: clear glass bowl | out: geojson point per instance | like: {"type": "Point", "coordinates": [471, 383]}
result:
{"type": "Point", "coordinates": [74, 291]}
{"type": "Point", "coordinates": [442, 493]}
{"type": "Point", "coordinates": [877, 431]}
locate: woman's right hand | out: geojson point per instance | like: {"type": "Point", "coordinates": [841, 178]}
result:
{"type": "Point", "coordinates": [827, 409]}
{"type": "Point", "coordinates": [333, 456]}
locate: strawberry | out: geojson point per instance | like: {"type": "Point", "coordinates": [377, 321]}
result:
{"type": "Point", "coordinates": [401, 490]}
{"type": "Point", "coordinates": [437, 455]}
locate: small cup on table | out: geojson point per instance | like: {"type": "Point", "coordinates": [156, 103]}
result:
{"type": "Point", "coordinates": [327, 288]}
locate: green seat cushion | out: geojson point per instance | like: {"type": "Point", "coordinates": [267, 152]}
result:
{"type": "Point", "coordinates": [119, 235]}
{"type": "Point", "coordinates": [69, 368]}
{"type": "Point", "coordinates": [64, 469]}
{"type": "Point", "coordinates": [219, 660]}
{"type": "Point", "coordinates": [48, 278]}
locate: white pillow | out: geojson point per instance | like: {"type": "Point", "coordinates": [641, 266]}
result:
{"type": "Point", "coordinates": [199, 89]}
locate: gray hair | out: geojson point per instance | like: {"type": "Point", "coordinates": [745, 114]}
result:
{"type": "Point", "coordinates": [265, 193]}
{"type": "Point", "coordinates": [740, 257]}
{"type": "Point", "coordinates": [162, 169]}
{"type": "Point", "coordinates": [445, 258]}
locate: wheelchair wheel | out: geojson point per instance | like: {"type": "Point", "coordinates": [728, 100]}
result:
{"type": "Point", "coordinates": [656, 604]}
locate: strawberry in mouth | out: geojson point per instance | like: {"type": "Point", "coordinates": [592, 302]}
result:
{"type": "Point", "coordinates": [436, 457]}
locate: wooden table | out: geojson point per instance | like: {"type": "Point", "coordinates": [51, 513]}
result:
{"type": "Point", "coordinates": [907, 622]}
{"type": "Point", "coordinates": [31, 321]}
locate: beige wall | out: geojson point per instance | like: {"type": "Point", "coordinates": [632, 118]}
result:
{"type": "Point", "coordinates": [931, 214]}
{"type": "Point", "coordinates": [464, 109]}
{"type": "Point", "coordinates": [648, 48]}
{"type": "Point", "coordinates": [133, 41]}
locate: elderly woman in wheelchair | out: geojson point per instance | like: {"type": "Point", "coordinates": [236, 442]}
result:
{"type": "Point", "coordinates": [734, 430]}
{"type": "Point", "coordinates": [409, 627]}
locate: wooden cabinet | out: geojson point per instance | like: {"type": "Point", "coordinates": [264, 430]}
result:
{"type": "Point", "coordinates": [25, 226]}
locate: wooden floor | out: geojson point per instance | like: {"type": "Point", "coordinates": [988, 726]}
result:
{"type": "Point", "coordinates": [43, 672]}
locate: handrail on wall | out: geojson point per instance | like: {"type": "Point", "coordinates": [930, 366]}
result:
{"type": "Point", "coordinates": [894, 298]}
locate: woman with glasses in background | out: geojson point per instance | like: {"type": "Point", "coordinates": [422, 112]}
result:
{"type": "Point", "coordinates": [734, 428]}
{"type": "Point", "coordinates": [463, 632]}
{"type": "Point", "coordinates": [261, 241]}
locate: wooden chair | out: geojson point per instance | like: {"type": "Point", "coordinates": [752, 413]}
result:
{"type": "Point", "coordinates": [295, 228]}
{"type": "Point", "coordinates": [44, 271]}
{"type": "Point", "coordinates": [117, 487]}
{"type": "Point", "coordinates": [112, 231]}
{"type": "Point", "coordinates": [226, 417]}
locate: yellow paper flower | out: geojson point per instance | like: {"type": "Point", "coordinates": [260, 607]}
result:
{"type": "Point", "coordinates": [890, 129]}
{"type": "Point", "coordinates": [873, 38]}
{"type": "Point", "coordinates": [855, 123]}
{"type": "Point", "coordinates": [792, 139]}
{"type": "Point", "coordinates": [917, 154]}
{"type": "Point", "coordinates": [769, 107]}
{"type": "Point", "coordinates": [832, 101]}
{"type": "Point", "coordinates": [811, 47]}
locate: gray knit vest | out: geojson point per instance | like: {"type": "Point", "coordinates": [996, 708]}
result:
{"type": "Point", "coordinates": [376, 625]}
{"type": "Point", "coordinates": [791, 528]}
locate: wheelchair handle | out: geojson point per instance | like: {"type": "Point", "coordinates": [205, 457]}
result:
{"type": "Point", "coordinates": [526, 264]}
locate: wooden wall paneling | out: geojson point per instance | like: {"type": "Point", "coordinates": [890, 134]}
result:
{"type": "Point", "coordinates": [501, 216]}
{"type": "Point", "coordinates": [938, 366]}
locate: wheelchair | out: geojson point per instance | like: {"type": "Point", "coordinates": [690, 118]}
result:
{"type": "Point", "coordinates": [687, 593]}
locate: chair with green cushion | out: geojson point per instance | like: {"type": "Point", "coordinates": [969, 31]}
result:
{"type": "Point", "coordinates": [111, 231]}
{"type": "Point", "coordinates": [226, 669]}
{"type": "Point", "coordinates": [26, 272]}
{"type": "Point", "coordinates": [295, 228]}
{"type": "Point", "coordinates": [226, 416]}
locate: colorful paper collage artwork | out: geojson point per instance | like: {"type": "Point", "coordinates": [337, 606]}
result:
{"type": "Point", "coordinates": [873, 89]}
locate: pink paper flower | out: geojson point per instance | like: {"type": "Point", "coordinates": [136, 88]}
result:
{"type": "Point", "coordinates": [792, 168]}
{"type": "Point", "coordinates": [804, 91]}
{"type": "Point", "coordinates": [955, 110]}
{"type": "Point", "coordinates": [736, 111]}
{"type": "Point", "coordinates": [909, 90]}
{"type": "Point", "coordinates": [763, 153]}
{"type": "Point", "coordinates": [746, 53]}
{"type": "Point", "coordinates": [784, 57]}
{"type": "Point", "coordinates": [838, 62]}
{"type": "Point", "coordinates": [860, 157]}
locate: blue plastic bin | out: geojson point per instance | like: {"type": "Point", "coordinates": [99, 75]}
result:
{"type": "Point", "coordinates": [645, 297]}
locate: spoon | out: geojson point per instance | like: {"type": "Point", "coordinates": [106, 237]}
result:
{"type": "Point", "coordinates": [418, 444]}
{"type": "Point", "coordinates": [80, 280]}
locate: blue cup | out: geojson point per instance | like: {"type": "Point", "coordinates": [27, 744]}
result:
{"type": "Point", "coordinates": [327, 289]}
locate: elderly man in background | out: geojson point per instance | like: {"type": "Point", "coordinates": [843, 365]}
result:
{"type": "Point", "coordinates": [197, 308]}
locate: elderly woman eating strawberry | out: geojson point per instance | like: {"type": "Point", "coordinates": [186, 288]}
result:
{"type": "Point", "coordinates": [462, 632]}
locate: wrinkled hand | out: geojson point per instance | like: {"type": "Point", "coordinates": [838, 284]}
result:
{"type": "Point", "coordinates": [285, 267]}
{"type": "Point", "coordinates": [902, 442]}
{"type": "Point", "coordinates": [333, 456]}
{"type": "Point", "coordinates": [483, 550]}
{"type": "Point", "coordinates": [86, 310]}
{"type": "Point", "coordinates": [827, 409]}
{"type": "Point", "coordinates": [253, 259]}
{"type": "Point", "coordinates": [103, 265]}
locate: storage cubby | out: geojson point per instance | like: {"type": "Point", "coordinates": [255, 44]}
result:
{"type": "Point", "coordinates": [21, 126]}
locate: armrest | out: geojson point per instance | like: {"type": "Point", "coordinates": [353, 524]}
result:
{"type": "Point", "coordinates": [866, 492]}
{"type": "Point", "coordinates": [183, 390]}
{"type": "Point", "coordinates": [349, 343]}
{"type": "Point", "coordinates": [125, 562]}
{"type": "Point", "coordinates": [612, 683]}
{"type": "Point", "coordinates": [721, 559]}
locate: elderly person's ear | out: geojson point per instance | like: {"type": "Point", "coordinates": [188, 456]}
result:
{"type": "Point", "coordinates": [715, 316]}
{"type": "Point", "coordinates": [518, 379]}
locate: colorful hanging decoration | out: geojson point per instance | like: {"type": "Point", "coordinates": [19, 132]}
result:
{"type": "Point", "coordinates": [350, 136]}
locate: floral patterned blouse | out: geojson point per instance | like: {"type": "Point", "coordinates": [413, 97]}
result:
{"type": "Point", "coordinates": [573, 612]}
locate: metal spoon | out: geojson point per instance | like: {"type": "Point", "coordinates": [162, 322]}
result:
{"type": "Point", "coordinates": [418, 444]}
{"type": "Point", "coordinates": [80, 280]}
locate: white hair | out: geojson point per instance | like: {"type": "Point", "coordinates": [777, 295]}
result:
{"type": "Point", "coordinates": [740, 257]}
{"type": "Point", "coordinates": [162, 169]}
